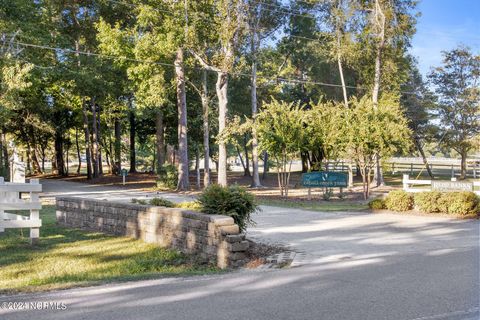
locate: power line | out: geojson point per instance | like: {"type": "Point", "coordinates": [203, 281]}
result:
{"type": "Point", "coordinates": [284, 10]}
{"type": "Point", "coordinates": [87, 53]}
{"type": "Point", "coordinates": [239, 74]}
{"type": "Point", "coordinates": [288, 11]}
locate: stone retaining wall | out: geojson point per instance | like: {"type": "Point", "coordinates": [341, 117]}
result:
{"type": "Point", "coordinates": [213, 238]}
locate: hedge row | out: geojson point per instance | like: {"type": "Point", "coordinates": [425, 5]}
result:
{"type": "Point", "coordinates": [456, 203]}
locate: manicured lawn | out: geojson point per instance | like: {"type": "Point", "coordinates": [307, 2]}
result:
{"type": "Point", "coordinates": [315, 205]}
{"type": "Point", "coordinates": [68, 257]}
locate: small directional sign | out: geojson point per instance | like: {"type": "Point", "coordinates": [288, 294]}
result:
{"type": "Point", "coordinates": [124, 173]}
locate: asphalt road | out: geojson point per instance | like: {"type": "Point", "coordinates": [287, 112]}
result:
{"type": "Point", "coordinates": [348, 266]}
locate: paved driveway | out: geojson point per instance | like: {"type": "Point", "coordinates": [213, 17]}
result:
{"type": "Point", "coordinates": [341, 236]}
{"type": "Point", "coordinates": [348, 266]}
{"type": "Point", "coordinates": [55, 188]}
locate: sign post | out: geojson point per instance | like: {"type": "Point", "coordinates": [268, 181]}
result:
{"type": "Point", "coordinates": [324, 179]}
{"type": "Point", "coordinates": [124, 173]}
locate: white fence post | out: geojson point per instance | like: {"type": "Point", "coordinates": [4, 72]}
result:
{"type": "Point", "coordinates": [9, 201]}
{"type": "Point", "coordinates": [34, 214]}
{"type": "Point", "coordinates": [405, 182]}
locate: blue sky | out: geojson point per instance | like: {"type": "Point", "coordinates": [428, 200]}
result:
{"type": "Point", "coordinates": [444, 24]}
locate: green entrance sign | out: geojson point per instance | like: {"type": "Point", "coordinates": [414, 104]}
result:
{"type": "Point", "coordinates": [323, 179]}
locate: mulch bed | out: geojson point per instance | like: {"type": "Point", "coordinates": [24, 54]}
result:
{"type": "Point", "coordinates": [421, 214]}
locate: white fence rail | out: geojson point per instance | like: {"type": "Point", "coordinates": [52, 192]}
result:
{"type": "Point", "coordinates": [11, 199]}
{"type": "Point", "coordinates": [409, 185]}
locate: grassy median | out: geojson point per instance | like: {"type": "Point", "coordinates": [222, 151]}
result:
{"type": "Point", "coordinates": [67, 258]}
{"type": "Point", "coordinates": [315, 205]}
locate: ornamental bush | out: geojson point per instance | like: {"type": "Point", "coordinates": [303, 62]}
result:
{"type": "Point", "coordinates": [399, 200]}
{"type": "Point", "coordinates": [428, 202]}
{"type": "Point", "coordinates": [233, 201]}
{"type": "Point", "coordinates": [376, 204]}
{"type": "Point", "coordinates": [459, 203]}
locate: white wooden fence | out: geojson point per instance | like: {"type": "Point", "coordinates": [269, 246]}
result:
{"type": "Point", "coordinates": [11, 200]}
{"type": "Point", "coordinates": [408, 185]}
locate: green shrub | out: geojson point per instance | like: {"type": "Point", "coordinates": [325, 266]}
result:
{"type": "Point", "coordinates": [460, 203]}
{"type": "Point", "coordinates": [399, 200]}
{"type": "Point", "coordinates": [376, 204]}
{"type": "Point", "coordinates": [427, 202]}
{"type": "Point", "coordinates": [139, 201]}
{"type": "Point", "coordinates": [190, 205]}
{"type": "Point", "coordinates": [161, 202]}
{"type": "Point", "coordinates": [233, 201]}
{"type": "Point", "coordinates": [167, 177]}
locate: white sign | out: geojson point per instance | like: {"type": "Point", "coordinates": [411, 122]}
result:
{"type": "Point", "coordinates": [452, 186]}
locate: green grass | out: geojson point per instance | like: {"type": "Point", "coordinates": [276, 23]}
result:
{"type": "Point", "coordinates": [315, 205]}
{"type": "Point", "coordinates": [70, 257]}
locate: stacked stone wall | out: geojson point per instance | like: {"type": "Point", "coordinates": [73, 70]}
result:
{"type": "Point", "coordinates": [213, 238]}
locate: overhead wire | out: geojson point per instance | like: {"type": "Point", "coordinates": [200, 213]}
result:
{"type": "Point", "coordinates": [239, 74]}
{"type": "Point", "coordinates": [283, 79]}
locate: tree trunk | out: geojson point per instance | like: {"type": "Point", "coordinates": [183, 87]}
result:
{"type": "Point", "coordinates": [87, 140]}
{"type": "Point", "coordinates": [254, 44]}
{"type": "Point", "coordinates": [5, 157]}
{"type": "Point", "coordinates": [109, 163]}
{"type": "Point", "coordinates": [29, 168]}
{"type": "Point", "coordinates": [340, 67]}
{"type": "Point", "coordinates": [99, 142]}
{"type": "Point", "coordinates": [221, 89]}
{"type": "Point", "coordinates": [54, 165]}
{"type": "Point", "coordinates": [133, 167]}
{"type": "Point", "coordinates": [95, 154]}
{"type": "Point", "coordinates": [160, 136]}
{"type": "Point", "coordinates": [77, 145]}
{"type": "Point", "coordinates": [42, 147]}
{"type": "Point", "coordinates": [380, 18]}
{"type": "Point", "coordinates": [118, 146]}
{"type": "Point", "coordinates": [183, 181]}
{"type": "Point", "coordinates": [305, 160]}
{"type": "Point", "coordinates": [59, 153]}
{"type": "Point", "coordinates": [265, 165]}
{"type": "Point", "coordinates": [463, 165]}
{"type": "Point", "coordinates": [35, 163]}
{"type": "Point", "coordinates": [206, 130]}
{"type": "Point", "coordinates": [364, 183]}
{"type": "Point", "coordinates": [67, 158]}
{"type": "Point", "coordinates": [241, 159]}
{"type": "Point", "coordinates": [247, 161]}
{"type": "Point", "coordinates": [418, 145]}
{"type": "Point", "coordinates": [197, 167]}
{"type": "Point", "coordinates": [4, 161]}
